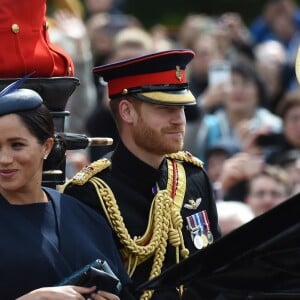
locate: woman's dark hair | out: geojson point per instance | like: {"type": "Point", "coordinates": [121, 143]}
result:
{"type": "Point", "coordinates": [39, 122]}
{"type": "Point", "coordinates": [248, 71]}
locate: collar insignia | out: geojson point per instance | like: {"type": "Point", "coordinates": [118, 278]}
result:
{"type": "Point", "coordinates": [193, 204]}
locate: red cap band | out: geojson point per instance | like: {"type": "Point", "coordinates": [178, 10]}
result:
{"type": "Point", "coordinates": [117, 85]}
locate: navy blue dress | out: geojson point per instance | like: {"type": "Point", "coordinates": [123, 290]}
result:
{"type": "Point", "coordinates": [42, 243]}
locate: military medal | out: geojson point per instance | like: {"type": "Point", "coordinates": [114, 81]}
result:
{"type": "Point", "coordinates": [198, 241]}
{"type": "Point", "coordinates": [204, 239]}
{"type": "Point", "coordinates": [193, 227]}
{"type": "Point", "coordinates": [202, 227]}
{"type": "Point", "coordinates": [196, 228]}
{"type": "Point", "coordinates": [209, 234]}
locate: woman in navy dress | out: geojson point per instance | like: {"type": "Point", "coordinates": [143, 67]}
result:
{"type": "Point", "coordinates": [45, 236]}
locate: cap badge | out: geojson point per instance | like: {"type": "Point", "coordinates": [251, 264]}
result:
{"type": "Point", "coordinates": [178, 73]}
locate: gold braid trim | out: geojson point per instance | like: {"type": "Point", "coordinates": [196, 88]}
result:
{"type": "Point", "coordinates": [159, 255]}
{"type": "Point", "coordinates": [160, 217]}
{"type": "Point", "coordinates": [175, 233]}
{"type": "Point", "coordinates": [164, 223]}
{"type": "Point", "coordinates": [89, 171]}
{"type": "Point", "coordinates": [187, 157]}
{"type": "Point", "coordinates": [159, 214]}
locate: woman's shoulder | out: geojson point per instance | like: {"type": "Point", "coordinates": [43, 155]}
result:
{"type": "Point", "coordinates": [56, 195]}
{"type": "Point", "coordinates": [70, 205]}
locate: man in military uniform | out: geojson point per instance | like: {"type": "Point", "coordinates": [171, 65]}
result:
{"type": "Point", "coordinates": [157, 198]}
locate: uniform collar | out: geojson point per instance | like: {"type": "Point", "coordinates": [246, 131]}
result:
{"type": "Point", "coordinates": [137, 171]}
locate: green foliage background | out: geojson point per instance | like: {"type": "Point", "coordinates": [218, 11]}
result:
{"type": "Point", "coordinates": [172, 12]}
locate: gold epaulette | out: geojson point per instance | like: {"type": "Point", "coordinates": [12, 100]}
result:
{"type": "Point", "coordinates": [187, 157]}
{"type": "Point", "coordinates": [89, 171]}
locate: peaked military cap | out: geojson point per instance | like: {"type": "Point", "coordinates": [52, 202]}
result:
{"type": "Point", "coordinates": [158, 78]}
{"type": "Point", "coordinates": [13, 99]}
{"type": "Point", "coordinates": [259, 260]}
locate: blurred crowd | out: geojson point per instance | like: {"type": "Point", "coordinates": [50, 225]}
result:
{"type": "Point", "coordinates": [245, 126]}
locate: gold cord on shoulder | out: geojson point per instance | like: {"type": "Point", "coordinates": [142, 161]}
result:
{"type": "Point", "coordinates": [89, 171]}
{"type": "Point", "coordinates": [164, 224]}
{"type": "Point", "coordinates": [187, 157]}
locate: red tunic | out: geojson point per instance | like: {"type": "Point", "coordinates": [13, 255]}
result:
{"type": "Point", "coordinates": [25, 46]}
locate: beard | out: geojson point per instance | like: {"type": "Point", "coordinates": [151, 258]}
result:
{"type": "Point", "coordinates": [158, 142]}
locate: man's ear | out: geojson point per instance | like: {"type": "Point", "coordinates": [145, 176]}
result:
{"type": "Point", "coordinates": [127, 111]}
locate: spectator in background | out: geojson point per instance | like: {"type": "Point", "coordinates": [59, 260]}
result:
{"type": "Point", "coordinates": [283, 150]}
{"type": "Point", "coordinates": [290, 162]}
{"type": "Point", "coordinates": [236, 172]}
{"type": "Point", "coordinates": [241, 113]}
{"type": "Point", "coordinates": [224, 38]}
{"type": "Point", "coordinates": [215, 157]}
{"type": "Point", "coordinates": [192, 26]}
{"type": "Point", "coordinates": [130, 42]}
{"type": "Point", "coordinates": [267, 189]}
{"type": "Point", "coordinates": [239, 170]}
{"type": "Point", "coordinates": [216, 42]}
{"type": "Point", "coordinates": [69, 31]}
{"type": "Point", "coordinates": [161, 38]}
{"type": "Point", "coordinates": [280, 21]}
{"type": "Point", "coordinates": [234, 37]}
{"type": "Point", "coordinates": [264, 147]}
{"type": "Point", "coordinates": [244, 105]}
{"type": "Point", "coordinates": [73, 6]}
{"type": "Point", "coordinates": [206, 52]}
{"type": "Point", "coordinates": [289, 110]}
{"type": "Point", "coordinates": [93, 7]}
{"type": "Point", "coordinates": [270, 63]}
{"type": "Point", "coordinates": [101, 29]}
{"type": "Point", "coordinates": [208, 97]}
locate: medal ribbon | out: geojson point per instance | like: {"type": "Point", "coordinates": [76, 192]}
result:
{"type": "Point", "coordinates": [207, 226]}
{"type": "Point", "coordinates": [205, 219]}
{"type": "Point", "coordinates": [195, 223]}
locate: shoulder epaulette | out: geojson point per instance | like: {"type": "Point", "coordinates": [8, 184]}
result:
{"type": "Point", "coordinates": [186, 157]}
{"type": "Point", "coordinates": [89, 171]}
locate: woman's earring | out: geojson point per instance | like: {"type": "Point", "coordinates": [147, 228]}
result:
{"type": "Point", "coordinates": [45, 155]}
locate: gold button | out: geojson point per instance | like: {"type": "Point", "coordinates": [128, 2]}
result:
{"type": "Point", "coordinates": [70, 71]}
{"type": "Point", "coordinates": [125, 91]}
{"type": "Point", "coordinates": [15, 28]}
